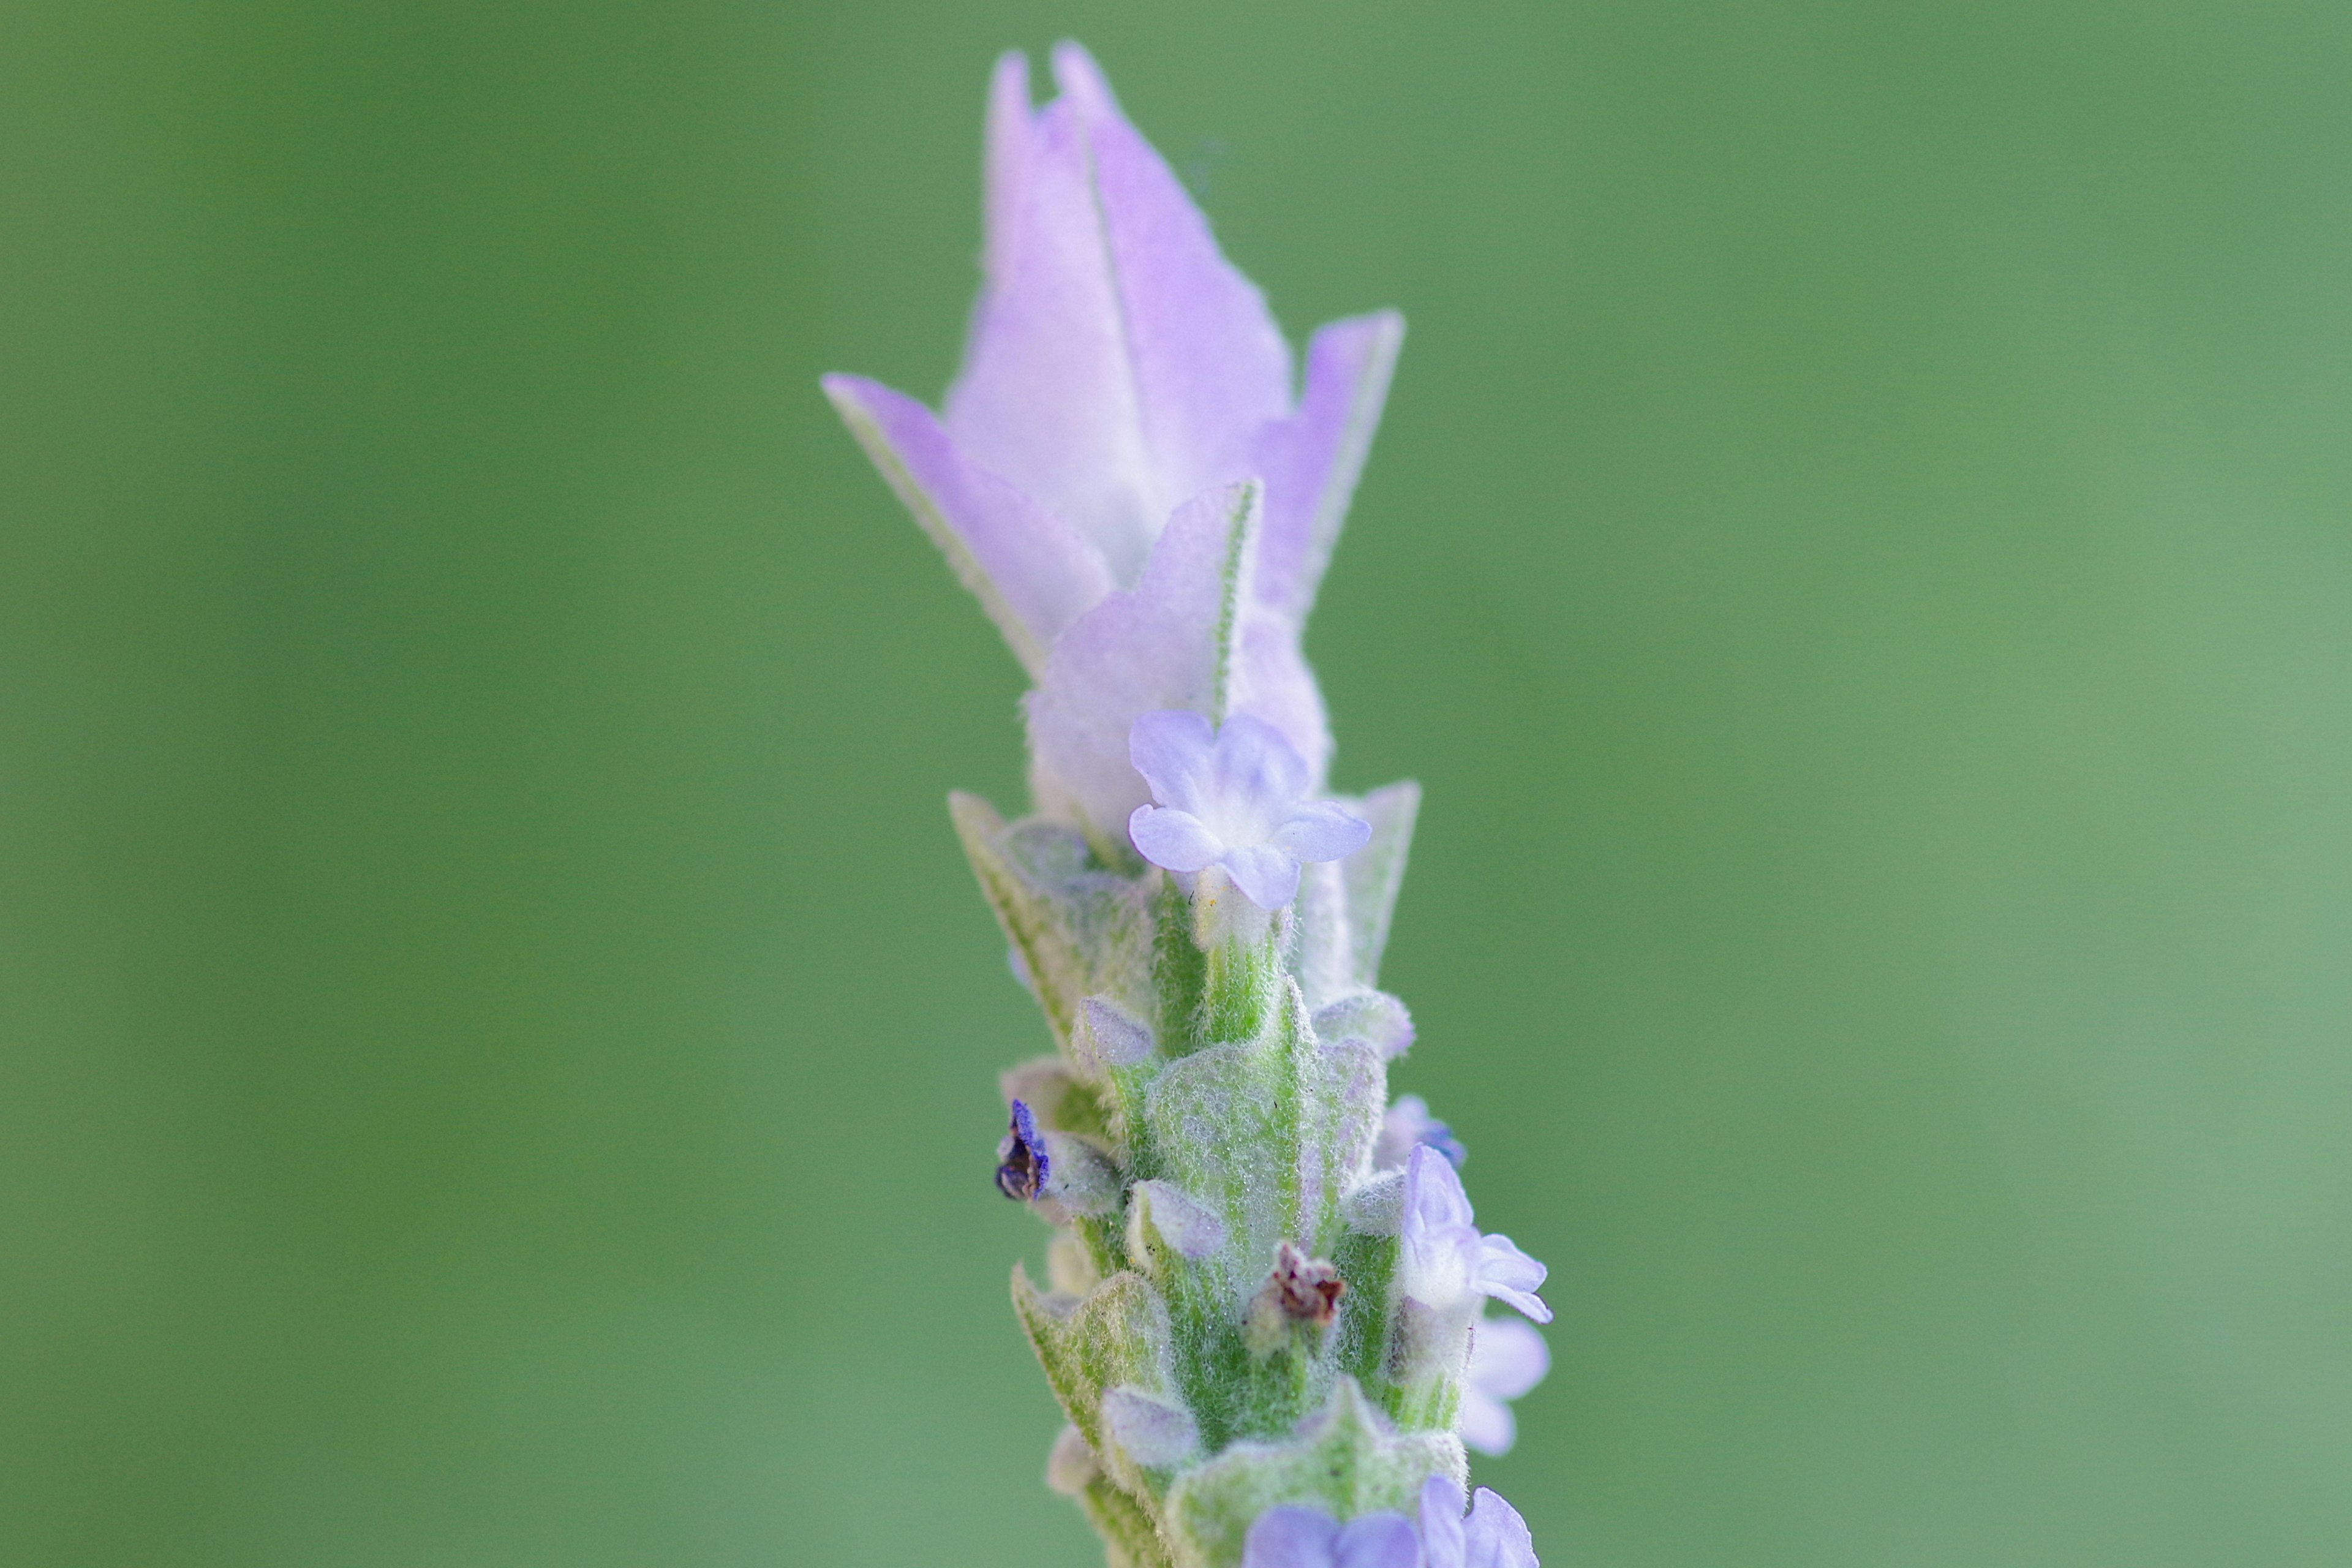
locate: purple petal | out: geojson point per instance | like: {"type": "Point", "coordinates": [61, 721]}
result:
{"type": "Point", "coordinates": [1496, 1537]}
{"type": "Point", "coordinates": [1174, 749]}
{"type": "Point", "coordinates": [1323, 830]}
{"type": "Point", "coordinates": [1501, 1260]}
{"type": "Point", "coordinates": [1378, 1541]}
{"type": "Point", "coordinates": [1171, 839]}
{"type": "Point", "coordinates": [1312, 459]}
{"type": "Point", "coordinates": [1440, 1257]}
{"type": "Point", "coordinates": [1155, 646]}
{"type": "Point", "coordinates": [1118, 363]}
{"type": "Point", "coordinates": [1271, 681]}
{"type": "Point", "coordinates": [1507, 1358]}
{"type": "Point", "coordinates": [1433, 1198]}
{"type": "Point", "coordinates": [1210, 364]}
{"type": "Point", "coordinates": [1076, 73]}
{"type": "Point", "coordinates": [1032, 572]}
{"type": "Point", "coordinates": [1409, 1124]}
{"type": "Point", "coordinates": [1046, 397]}
{"type": "Point", "coordinates": [1290, 1537]}
{"type": "Point", "coordinates": [1485, 1422]}
{"type": "Point", "coordinates": [1006, 163]}
{"type": "Point", "coordinates": [1267, 875]}
{"type": "Point", "coordinates": [1509, 1275]}
{"type": "Point", "coordinates": [1253, 763]}
{"type": "Point", "coordinates": [1441, 1521]}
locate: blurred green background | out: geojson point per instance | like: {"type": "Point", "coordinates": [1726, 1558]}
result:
{"type": "Point", "coordinates": [496, 1042]}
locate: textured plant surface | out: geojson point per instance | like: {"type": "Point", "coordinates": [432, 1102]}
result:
{"type": "Point", "coordinates": [1263, 1312]}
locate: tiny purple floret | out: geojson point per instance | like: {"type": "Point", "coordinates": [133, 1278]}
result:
{"type": "Point", "coordinates": [1494, 1536]}
{"type": "Point", "coordinates": [1022, 1166]}
{"type": "Point", "coordinates": [1445, 1258]}
{"type": "Point", "coordinates": [1407, 1126]}
{"type": "Point", "coordinates": [1234, 798]}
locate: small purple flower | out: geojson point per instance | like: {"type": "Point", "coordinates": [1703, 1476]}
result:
{"type": "Point", "coordinates": [1445, 1259]}
{"type": "Point", "coordinates": [1233, 797]}
{"type": "Point", "coordinates": [1494, 1536]}
{"type": "Point", "coordinates": [1293, 1536]}
{"type": "Point", "coordinates": [1022, 1166]}
{"type": "Point", "coordinates": [1408, 1125]}
{"type": "Point", "coordinates": [1507, 1358]}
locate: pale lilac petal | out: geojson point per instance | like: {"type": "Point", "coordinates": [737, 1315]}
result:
{"type": "Point", "coordinates": [1172, 838]}
{"type": "Point", "coordinates": [1433, 1198]}
{"type": "Point", "coordinates": [1267, 875]}
{"type": "Point", "coordinates": [1323, 830]}
{"type": "Point", "coordinates": [1046, 397]}
{"type": "Point", "coordinates": [1210, 364]}
{"type": "Point", "coordinates": [1441, 1522]}
{"type": "Point", "coordinates": [1290, 1537]}
{"type": "Point", "coordinates": [1155, 646]}
{"type": "Point", "coordinates": [1272, 681]}
{"type": "Point", "coordinates": [1080, 75]}
{"type": "Point", "coordinates": [1378, 1541]}
{"type": "Point", "coordinates": [1032, 572]}
{"type": "Point", "coordinates": [1253, 763]}
{"type": "Point", "coordinates": [1006, 164]}
{"type": "Point", "coordinates": [1507, 1358]}
{"type": "Point", "coordinates": [1312, 459]}
{"type": "Point", "coordinates": [1440, 1245]}
{"type": "Point", "coordinates": [1116, 363]}
{"type": "Point", "coordinates": [1485, 1424]}
{"type": "Point", "coordinates": [1511, 1275]}
{"type": "Point", "coordinates": [1174, 750]}
{"type": "Point", "coordinates": [1495, 1536]}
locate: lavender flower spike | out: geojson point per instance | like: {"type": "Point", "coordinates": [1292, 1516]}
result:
{"type": "Point", "coordinates": [1259, 1311]}
{"type": "Point", "coordinates": [1231, 797]}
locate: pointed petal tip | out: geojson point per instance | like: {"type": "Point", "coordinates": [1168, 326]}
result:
{"type": "Point", "coordinates": [1009, 77]}
{"type": "Point", "coordinates": [856, 397]}
{"type": "Point", "coordinates": [1076, 73]}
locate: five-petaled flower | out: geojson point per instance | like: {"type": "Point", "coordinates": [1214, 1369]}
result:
{"type": "Point", "coordinates": [1233, 796]}
{"type": "Point", "coordinates": [1445, 1259]}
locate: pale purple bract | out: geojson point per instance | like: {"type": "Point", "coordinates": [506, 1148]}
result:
{"type": "Point", "coordinates": [1119, 374]}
